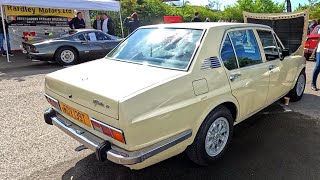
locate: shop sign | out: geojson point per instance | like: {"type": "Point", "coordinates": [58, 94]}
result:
{"type": "Point", "coordinates": [34, 11]}
{"type": "Point", "coordinates": [39, 21]}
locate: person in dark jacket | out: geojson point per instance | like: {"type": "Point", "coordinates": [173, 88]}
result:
{"type": "Point", "coordinates": [77, 22]}
{"type": "Point", "coordinates": [132, 22]}
{"type": "Point", "coordinates": [2, 39]}
{"type": "Point", "coordinates": [97, 24]}
{"type": "Point", "coordinates": [196, 17]}
{"type": "Point", "coordinates": [107, 25]}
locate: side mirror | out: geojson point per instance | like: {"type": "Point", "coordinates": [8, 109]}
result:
{"type": "Point", "coordinates": [284, 53]}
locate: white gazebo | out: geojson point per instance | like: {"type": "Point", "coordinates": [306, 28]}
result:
{"type": "Point", "coordinates": [103, 5]}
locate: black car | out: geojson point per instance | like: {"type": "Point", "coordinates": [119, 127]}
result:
{"type": "Point", "coordinates": [72, 47]}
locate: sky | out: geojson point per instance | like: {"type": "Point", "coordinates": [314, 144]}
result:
{"type": "Point", "coordinates": [294, 3]}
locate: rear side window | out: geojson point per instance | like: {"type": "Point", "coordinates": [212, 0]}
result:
{"type": "Point", "coordinates": [246, 47]}
{"type": "Point", "coordinates": [227, 55]}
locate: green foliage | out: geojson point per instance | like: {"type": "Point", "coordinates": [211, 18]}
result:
{"type": "Point", "coordinates": [254, 6]}
{"type": "Point", "coordinates": [152, 11]}
{"type": "Point", "coordinates": [314, 9]}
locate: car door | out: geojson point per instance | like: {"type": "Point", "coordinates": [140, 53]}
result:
{"type": "Point", "coordinates": [82, 45]}
{"type": "Point", "coordinates": [278, 71]}
{"type": "Point", "coordinates": [247, 72]}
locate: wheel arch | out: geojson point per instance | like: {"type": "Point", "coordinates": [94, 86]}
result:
{"type": "Point", "coordinates": [231, 104]}
{"type": "Point", "coordinates": [301, 69]}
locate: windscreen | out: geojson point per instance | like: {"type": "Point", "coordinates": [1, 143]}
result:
{"type": "Point", "coordinates": [170, 48]}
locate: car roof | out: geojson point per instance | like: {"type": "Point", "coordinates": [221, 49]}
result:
{"type": "Point", "coordinates": [85, 30]}
{"type": "Point", "coordinates": [207, 25]}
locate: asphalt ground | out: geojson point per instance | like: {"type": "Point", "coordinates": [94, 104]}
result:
{"type": "Point", "coordinates": [281, 142]}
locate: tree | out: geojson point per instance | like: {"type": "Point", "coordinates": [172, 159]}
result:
{"type": "Point", "coordinates": [312, 2]}
{"type": "Point", "coordinates": [254, 6]}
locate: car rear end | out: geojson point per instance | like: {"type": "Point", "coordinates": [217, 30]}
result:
{"type": "Point", "coordinates": [311, 43]}
{"type": "Point", "coordinates": [32, 52]}
{"type": "Point", "coordinates": [88, 117]}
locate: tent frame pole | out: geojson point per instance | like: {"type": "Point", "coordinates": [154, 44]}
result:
{"type": "Point", "coordinates": [121, 23]}
{"type": "Point", "coordinates": [4, 33]}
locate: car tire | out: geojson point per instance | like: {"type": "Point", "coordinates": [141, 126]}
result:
{"type": "Point", "coordinates": [307, 56]}
{"type": "Point", "coordinates": [297, 92]}
{"type": "Point", "coordinates": [205, 150]}
{"type": "Point", "coordinates": [66, 56]}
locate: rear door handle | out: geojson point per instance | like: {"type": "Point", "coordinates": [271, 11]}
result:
{"type": "Point", "coordinates": [234, 76]}
{"type": "Point", "coordinates": [272, 67]}
{"type": "Point", "coordinates": [84, 43]}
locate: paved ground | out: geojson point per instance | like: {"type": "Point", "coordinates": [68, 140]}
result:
{"type": "Point", "coordinates": [271, 145]}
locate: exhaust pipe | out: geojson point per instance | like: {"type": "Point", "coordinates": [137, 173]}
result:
{"type": "Point", "coordinates": [48, 114]}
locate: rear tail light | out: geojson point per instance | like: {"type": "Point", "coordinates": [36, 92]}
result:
{"type": "Point", "coordinates": [108, 130]}
{"type": "Point", "coordinates": [34, 50]}
{"type": "Point", "coordinates": [307, 43]}
{"type": "Point", "coordinates": [53, 102]}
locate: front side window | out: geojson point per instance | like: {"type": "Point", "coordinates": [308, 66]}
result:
{"type": "Point", "coordinates": [246, 47]}
{"type": "Point", "coordinates": [317, 30]}
{"type": "Point", "coordinates": [79, 37]}
{"type": "Point", "coordinates": [162, 47]}
{"type": "Point", "coordinates": [227, 55]}
{"type": "Point", "coordinates": [269, 45]}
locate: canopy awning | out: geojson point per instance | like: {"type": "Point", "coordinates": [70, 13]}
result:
{"type": "Point", "coordinates": [105, 5]}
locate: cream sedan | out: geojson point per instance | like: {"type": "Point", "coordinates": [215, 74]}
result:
{"type": "Point", "coordinates": [172, 88]}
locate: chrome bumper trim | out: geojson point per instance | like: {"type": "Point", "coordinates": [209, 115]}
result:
{"type": "Point", "coordinates": [104, 150]}
{"type": "Point", "coordinates": [119, 156]}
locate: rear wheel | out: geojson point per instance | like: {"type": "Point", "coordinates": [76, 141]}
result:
{"type": "Point", "coordinates": [297, 92]}
{"type": "Point", "coordinates": [213, 137]}
{"type": "Point", "coordinates": [66, 56]}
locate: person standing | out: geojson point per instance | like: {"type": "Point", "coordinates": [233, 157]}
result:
{"type": "Point", "coordinates": [77, 22]}
{"type": "Point", "coordinates": [97, 24]}
{"type": "Point", "coordinates": [196, 17]}
{"type": "Point", "coordinates": [313, 24]}
{"type": "Point", "coordinates": [2, 39]}
{"type": "Point", "coordinates": [316, 70]}
{"type": "Point", "coordinates": [107, 25]}
{"type": "Point", "coordinates": [132, 22]}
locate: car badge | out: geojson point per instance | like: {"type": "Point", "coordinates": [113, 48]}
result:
{"type": "Point", "coordinates": [99, 103]}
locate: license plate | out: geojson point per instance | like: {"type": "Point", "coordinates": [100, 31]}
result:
{"type": "Point", "coordinates": [75, 114]}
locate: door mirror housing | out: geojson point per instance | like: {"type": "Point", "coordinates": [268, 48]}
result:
{"type": "Point", "coordinates": [284, 53]}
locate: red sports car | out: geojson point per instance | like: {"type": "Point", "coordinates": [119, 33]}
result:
{"type": "Point", "coordinates": [312, 42]}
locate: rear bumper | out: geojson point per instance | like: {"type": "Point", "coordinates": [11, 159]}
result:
{"type": "Point", "coordinates": [308, 50]}
{"type": "Point", "coordinates": [103, 149]}
{"type": "Point", "coordinates": [39, 56]}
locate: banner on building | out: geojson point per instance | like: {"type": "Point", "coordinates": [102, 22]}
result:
{"type": "Point", "coordinates": [39, 21]}
{"type": "Point", "coordinates": [172, 19]}
{"type": "Point", "coordinates": [34, 11]}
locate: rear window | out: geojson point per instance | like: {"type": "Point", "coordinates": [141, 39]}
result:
{"type": "Point", "coordinates": [161, 47]}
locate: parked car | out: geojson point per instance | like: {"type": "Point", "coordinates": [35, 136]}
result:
{"type": "Point", "coordinates": [172, 88]}
{"type": "Point", "coordinates": [312, 42]}
{"type": "Point", "coordinates": [72, 47]}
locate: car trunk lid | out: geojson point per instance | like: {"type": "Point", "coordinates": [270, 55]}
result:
{"type": "Point", "coordinates": [100, 84]}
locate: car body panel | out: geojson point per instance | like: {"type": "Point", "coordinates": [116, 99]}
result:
{"type": "Point", "coordinates": [157, 103]}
